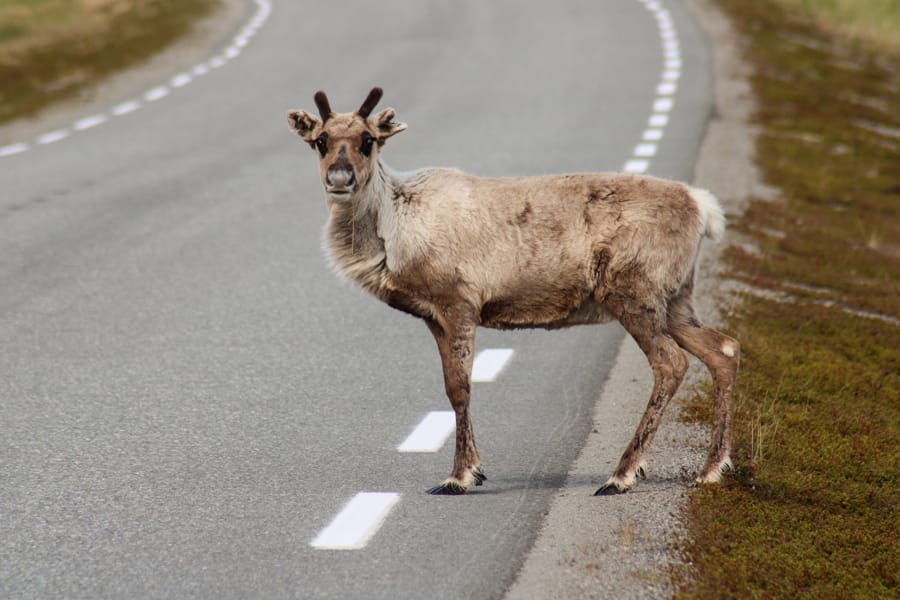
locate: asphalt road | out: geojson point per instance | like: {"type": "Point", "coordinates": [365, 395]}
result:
{"type": "Point", "coordinates": [188, 395]}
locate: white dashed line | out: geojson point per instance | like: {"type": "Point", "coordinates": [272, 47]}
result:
{"type": "Point", "coordinates": [663, 105]}
{"type": "Point", "coordinates": [658, 120]}
{"type": "Point", "coordinates": [645, 150]}
{"type": "Point", "coordinates": [263, 10]}
{"type": "Point", "coordinates": [357, 522]}
{"type": "Point", "coordinates": [88, 122]}
{"type": "Point", "coordinates": [636, 166]}
{"type": "Point", "coordinates": [13, 149]}
{"type": "Point", "coordinates": [665, 89]}
{"type": "Point", "coordinates": [431, 433]}
{"type": "Point", "coordinates": [53, 136]}
{"type": "Point", "coordinates": [125, 108]}
{"type": "Point", "coordinates": [181, 80]}
{"type": "Point", "coordinates": [156, 93]}
{"type": "Point", "coordinates": [488, 364]}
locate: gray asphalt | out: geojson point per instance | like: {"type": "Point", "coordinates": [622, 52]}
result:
{"type": "Point", "coordinates": [188, 394]}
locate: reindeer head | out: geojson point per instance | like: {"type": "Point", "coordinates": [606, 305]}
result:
{"type": "Point", "coordinates": [347, 143]}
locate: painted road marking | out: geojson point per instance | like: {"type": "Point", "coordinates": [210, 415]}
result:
{"type": "Point", "coordinates": [263, 10]}
{"type": "Point", "coordinates": [88, 122]}
{"type": "Point", "coordinates": [156, 93]}
{"type": "Point", "coordinates": [658, 120]}
{"type": "Point", "coordinates": [357, 522]}
{"type": "Point", "coordinates": [13, 149]}
{"type": "Point", "coordinates": [488, 364]}
{"type": "Point", "coordinates": [665, 89]}
{"type": "Point", "coordinates": [181, 80]}
{"type": "Point", "coordinates": [636, 166]}
{"type": "Point", "coordinates": [431, 433]}
{"type": "Point", "coordinates": [663, 105]}
{"type": "Point", "coordinates": [53, 136]}
{"type": "Point", "coordinates": [125, 108]}
{"type": "Point", "coordinates": [645, 150]}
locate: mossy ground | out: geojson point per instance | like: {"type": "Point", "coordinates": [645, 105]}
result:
{"type": "Point", "coordinates": [55, 49]}
{"type": "Point", "coordinates": [812, 509]}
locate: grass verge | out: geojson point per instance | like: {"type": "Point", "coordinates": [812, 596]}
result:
{"type": "Point", "coordinates": [54, 49]}
{"type": "Point", "coordinates": [812, 509]}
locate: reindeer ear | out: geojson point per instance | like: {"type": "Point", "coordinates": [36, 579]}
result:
{"type": "Point", "coordinates": [385, 125]}
{"type": "Point", "coordinates": [303, 123]}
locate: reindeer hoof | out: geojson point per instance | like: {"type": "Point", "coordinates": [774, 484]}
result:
{"type": "Point", "coordinates": [448, 488]}
{"type": "Point", "coordinates": [641, 473]}
{"type": "Point", "coordinates": [610, 489]}
{"type": "Point", "coordinates": [478, 474]}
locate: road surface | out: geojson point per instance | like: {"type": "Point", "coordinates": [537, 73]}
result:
{"type": "Point", "coordinates": [188, 395]}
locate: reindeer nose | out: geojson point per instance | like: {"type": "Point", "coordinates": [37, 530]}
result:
{"type": "Point", "coordinates": [340, 178]}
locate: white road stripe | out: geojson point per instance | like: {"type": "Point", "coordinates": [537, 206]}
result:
{"type": "Point", "coordinates": [181, 80]}
{"type": "Point", "coordinates": [53, 136]}
{"type": "Point", "coordinates": [488, 364]}
{"type": "Point", "coordinates": [663, 105]}
{"type": "Point", "coordinates": [357, 522]}
{"type": "Point", "coordinates": [264, 9]}
{"type": "Point", "coordinates": [667, 88]}
{"type": "Point", "coordinates": [636, 166]}
{"type": "Point", "coordinates": [645, 150]}
{"type": "Point", "coordinates": [13, 149]}
{"type": "Point", "coordinates": [431, 433]}
{"type": "Point", "coordinates": [156, 93]}
{"type": "Point", "coordinates": [653, 135]}
{"type": "Point", "coordinates": [126, 107]}
{"type": "Point", "coordinates": [658, 120]}
{"type": "Point", "coordinates": [88, 122]}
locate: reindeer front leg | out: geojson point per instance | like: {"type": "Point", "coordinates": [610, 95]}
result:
{"type": "Point", "coordinates": [456, 340]}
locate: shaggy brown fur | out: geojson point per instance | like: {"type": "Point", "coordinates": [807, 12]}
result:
{"type": "Point", "coordinates": [460, 251]}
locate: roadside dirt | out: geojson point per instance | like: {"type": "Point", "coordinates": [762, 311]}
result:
{"type": "Point", "coordinates": [626, 546]}
{"type": "Point", "coordinates": [208, 36]}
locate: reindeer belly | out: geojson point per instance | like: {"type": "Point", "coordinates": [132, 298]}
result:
{"type": "Point", "coordinates": [548, 307]}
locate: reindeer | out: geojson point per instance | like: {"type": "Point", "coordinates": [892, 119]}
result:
{"type": "Point", "coordinates": [460, 251]}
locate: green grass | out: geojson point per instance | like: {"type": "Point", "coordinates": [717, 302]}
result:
{"type": "Point", "coordinates": [55, 49]}
{"type": "Point", "coordinates": [813, 509]}
{"type": "Point", "coordinates": [873, 22]}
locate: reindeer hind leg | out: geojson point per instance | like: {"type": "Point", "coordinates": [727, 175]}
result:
{"type": "Point", "coordinates": [721, 355]}
{"type": "Point", "coordinates": [669, 365]}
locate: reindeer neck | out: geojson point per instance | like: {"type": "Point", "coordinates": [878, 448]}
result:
{"type": "Point", "coordinates": [353, 241]}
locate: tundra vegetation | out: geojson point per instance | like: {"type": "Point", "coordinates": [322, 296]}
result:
{"type": "Point", "coordinates": [812, 509]}
{"type": "Point", "coordinates": [56, 49]}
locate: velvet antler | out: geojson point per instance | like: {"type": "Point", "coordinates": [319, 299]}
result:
{"type": "Point", "coordinates": [322, 104]}
{"type": "Point", "coordinates": [369, 104]}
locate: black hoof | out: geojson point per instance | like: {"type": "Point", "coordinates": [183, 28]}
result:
{"type": "Point", "coordinates": [478, 472]}
{"type": "Point", "coordinates": [641, 473]}
{"type": "Point", "coordinates": [609, 489]}
{"type": "Point", "coordinates": [448, 488]}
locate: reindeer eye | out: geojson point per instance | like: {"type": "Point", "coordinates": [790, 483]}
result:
{"type": "Point", "coordinates": [322, 144]}
{"type": "Point", "coordinates": [367, 141]}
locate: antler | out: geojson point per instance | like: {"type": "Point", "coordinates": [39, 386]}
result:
{"type": "Point", "coordinates": [322, 104]}
{"type": "Point", "coordinates": [369, 104]}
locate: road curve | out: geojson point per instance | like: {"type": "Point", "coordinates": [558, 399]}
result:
{"type": "Point", "coordinates": [189, 397]}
